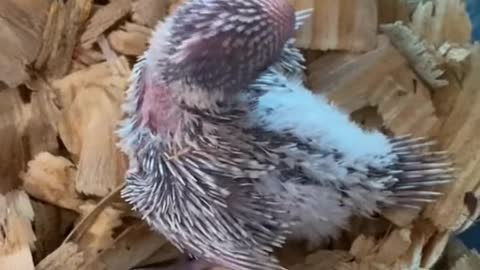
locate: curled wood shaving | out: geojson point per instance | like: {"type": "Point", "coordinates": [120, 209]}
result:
{"type": "Point", "coordinates": [420, 56]}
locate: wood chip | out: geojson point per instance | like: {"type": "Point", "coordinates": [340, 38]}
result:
{"type": "Point", "coordinates": [468, 262]}
{"type": "Point", "coordinates": [16, 214]}
{"type": "Point", "coordinates": [99, 235]}
{"type": "Point", "coordinates": [422, 58]}
{"type": "Point", "coordinates": [363, 246]}
{"type": "Point", "coordinates": [90, 217]}
{"type": "Point", "coordinates": [14, 118]}
{"type": "Point", "coordinates": [324, 260]}
{"type": "Point", "coordinates": [71, 18]}
{"type": "Point", "coordinates": [459, 136]}
{"type": "Point", "coordinates": [434, 249]}
{"type": "Point", "coordinates": [134, 246]}
{"type": "Point", "coordinates": [51, 224]}
{"type": "Point", "coordinates": [390, 11]}
{"type": "Point", "coordinates": [92, 108]}
{"type": "Point", "coordinates": [174, 4]}
{"type": "Point", "coordinates": [22, 259]}
{"type": "Point", "coordinates": [21, 24]}
{"type": "Point", "coordinates": [149, 12]}
{"type": "Point", "coordinates": [42, 128]}
{"type": "Point", "coordinates": [103, 19]}
{"type": "Point", "coordinates": [128, 43]}
{"type": "Point", "coordinates": [50, 179]}
{"type": "Point", "coordinates": [339, 25]}
{"type": "Point", "coordinates": [441, 21]}
{"type": "Point", "coordinates": [66, 257]}
{"type": "Point", "coordinates": [50, 36]}
{"type": "Point", "coordinates": [397, 243]}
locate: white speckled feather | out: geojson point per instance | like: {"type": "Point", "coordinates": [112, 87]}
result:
{"type": "Point", "coordinates": [288, 106]}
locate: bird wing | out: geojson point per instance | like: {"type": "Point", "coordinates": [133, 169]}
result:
{"type": "Point", "coordinates": [205, 195]}
{"type": "Point", "coordinates": [332, 150]}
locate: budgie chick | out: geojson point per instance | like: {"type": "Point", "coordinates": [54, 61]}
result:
{"type": "Point", "coordinates": [230, 154]}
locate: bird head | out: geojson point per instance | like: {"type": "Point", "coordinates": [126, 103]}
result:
{"type": "Point", "coordinates": [224, 45]}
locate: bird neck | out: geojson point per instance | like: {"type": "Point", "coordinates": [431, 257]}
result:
{"type": "Point", "coordinates": [170, 110]}
{"type": "Point", "coordinates": [159, 111]}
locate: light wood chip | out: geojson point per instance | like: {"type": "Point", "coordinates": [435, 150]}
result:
{"type": "Point", "coordinates": [103, 19]}
{"type": "Point", "coordinates": [339, 25]}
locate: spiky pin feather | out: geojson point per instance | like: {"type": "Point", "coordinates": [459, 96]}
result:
{"type": "Point", "coordinates": [229, 152]}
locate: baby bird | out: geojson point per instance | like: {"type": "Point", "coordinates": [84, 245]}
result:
{"type": "Point", "coordinates": [230, 154]}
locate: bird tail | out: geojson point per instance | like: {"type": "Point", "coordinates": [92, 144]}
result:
{"type": "Point", "coordinates": [419, 172]}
